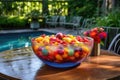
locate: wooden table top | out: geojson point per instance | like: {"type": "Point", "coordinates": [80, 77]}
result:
{"type": "Point", "coordinates": [23, 64]}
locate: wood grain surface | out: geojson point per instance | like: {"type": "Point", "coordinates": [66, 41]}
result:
{"type": "Point", "coordinates": [23, 64]}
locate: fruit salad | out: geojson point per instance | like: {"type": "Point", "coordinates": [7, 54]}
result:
{"type": "Point", "coordinates": [61, 47]}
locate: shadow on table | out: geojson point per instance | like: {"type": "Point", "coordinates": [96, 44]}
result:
{"type": "Point", "coordinates": [5, 77]}
{"type": "Point", "coordinates": [46, 70]}
{"type": "Point", "coordinates": [115, 78]}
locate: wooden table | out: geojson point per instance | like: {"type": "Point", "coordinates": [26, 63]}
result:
{"type": "Point", "coordinates": [23, 64]}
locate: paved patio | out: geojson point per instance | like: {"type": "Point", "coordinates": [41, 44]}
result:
{"type": "Point", "coordinates": [53, 30]}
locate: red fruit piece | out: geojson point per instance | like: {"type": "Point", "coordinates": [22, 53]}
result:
{"type": "Point", "coordinates": [59, 35]}
{"type": "Point", "coordinates": [53, 39]}
{"type": "Point", "coordinates": [77, 54]}
{"type": "Point", "coordinates": [85, 39]}
{"type": "Point", "coordinates": [71, 58]}
{"type": "Point", "coordinates": [79, 38]}
{"type": "Point", "coordinates": [51, 58]}
{"type": "Point", "coordinates": [40, 49]}
{"type": "Point", "coordinates": [60, 51]}
{"type": "Point", "coordinates": [39, 54]}
{"type": "Point", "coordinates": [43, 35]}
{"type": "Point", "coordinates": [59, 40]}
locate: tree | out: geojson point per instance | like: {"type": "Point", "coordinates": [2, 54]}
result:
{"type": "Point", "coordinates": [85, 8]}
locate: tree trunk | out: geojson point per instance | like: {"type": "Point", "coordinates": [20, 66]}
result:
{"type": "Point", "coordinates": [45, 7]}
{"type": "Point", "coordinates": [108, 6]}
{"type": "Point", "coordinates": [111, 5]}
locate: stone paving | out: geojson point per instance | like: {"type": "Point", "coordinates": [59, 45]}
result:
{"type": "Point", "coordinates": [53, 30]}
{"type": "Point", "coordinates": [66, 31]}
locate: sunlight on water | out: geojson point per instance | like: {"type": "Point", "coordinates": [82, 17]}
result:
{"type": "Point", "coordinates": [26, 44]}
{"type": "Point", "coordinates": [18, 40]}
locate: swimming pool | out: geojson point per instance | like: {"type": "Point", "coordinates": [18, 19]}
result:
{"type": "Point", "coordinates": [17, 40]}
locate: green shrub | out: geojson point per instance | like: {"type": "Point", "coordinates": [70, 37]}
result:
{"type": "Point", "coordinates": [13, 22]}
{"type": "Point", "coordinates": [16, 21]}
{"type": "Point", "coordinates": [3, 21]}
{"type": "Point", "coordinates": [111, 20]}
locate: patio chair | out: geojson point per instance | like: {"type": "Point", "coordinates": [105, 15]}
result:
{"type": "Point", "coordinates": [74, 22]}
{"type": "Point", "coordinates": [85, 25]}
{"type": "Point", "coordinates": [115, 44]}
{"type": "Point", "coordinates": [53, 21]}
{"type": "Point", "coordinates": [62, 20]}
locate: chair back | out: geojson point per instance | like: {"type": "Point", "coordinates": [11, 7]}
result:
{"type": "Point", "coordinates": [54, 18]}
{"type": "Point", "coordinates": [76, 19]}
{"type": "Point", "coordinates": [52, 21]}
{"type": "Point", "coordinates": [115, 44]}
{"type": "Point", "coordinates": [86, 23]}
{"type": "Point", "coordinates": [62, 19]}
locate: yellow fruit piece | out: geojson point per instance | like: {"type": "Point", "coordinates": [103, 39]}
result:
{"type": "Point", "coordinates": [52, 36]}
{"type": "Point", "coordinates": [85, 49]}
{"type": "Point", "coordinates": [47, 47]}
{"type": "Point", "coordinates": [66, 49]}
{"type": "Point", "coordinates": [76, 45]}
{"type": "Point", "coordinates": [41, 44]}
{"type": "Point", "coordinates": [35, 48]}
{"type": "Point", "coordinates": [58, 57]}
{"type": "Point", "coordinates": [46, 37]}
{"type": "Point", "coordinates": [71, 36]}
{"type": "Point", "coordinates": [46, 41]}
{"type": "Point", "coordinates": [39, 39]}
{"type": "Point", "coordinates": [56, 43]}
{"type": "Point", "coordinates": [67, 39]}
{"type": "Point", "coordinates": [81, 44]}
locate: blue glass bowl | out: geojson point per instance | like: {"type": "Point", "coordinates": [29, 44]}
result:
{"type": "Point", "coordinates": [63, 65]}
{"type": "Point", "coordinates": [63, 56]}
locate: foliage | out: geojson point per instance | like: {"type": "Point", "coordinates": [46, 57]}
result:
{"type": "Point", "coordinates": [58, 7]}
{"type": "Point", "coordinates": [8, 9]}
{"type": "Point", "coordinates": [85, 8]}
{"type": "Point", "coordinates": [34, 15]}
{"type": "Point", "coordinates": [111, 20]}
{"type": "Point", "coordinates": [16, 21]}
{"type": "Point", "coordinates": [18, 7]}
{"type": "Point", "coordinates": [12, 22]}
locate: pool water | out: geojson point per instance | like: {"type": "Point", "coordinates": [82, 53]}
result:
{"type": "Point", "coordinates": [17, 40]}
